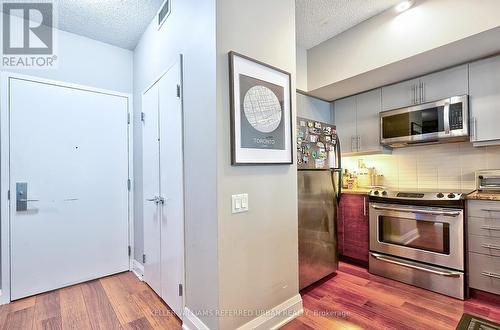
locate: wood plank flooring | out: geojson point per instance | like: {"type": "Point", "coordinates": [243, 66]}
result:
{"type": "Point", "coordinates": [355, 299]}
{"type": "Point", "coordinates": [115, 302]}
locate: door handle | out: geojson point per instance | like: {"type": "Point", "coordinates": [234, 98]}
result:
{"type": "Point", "coordinates": [491, 246]}
{"type": "Point", "coordinates": [446, 115]}
{"type": "Point", "coordinates": [162, 200]}
{"type": "Point", "coordinates": [422, 211]}
{"type": "Point", "coordinates": [422, 92]}
{"type": "Point", "coordinates": [22, 197]}
{"type": "Point", "coordinates": [412, 266]}
{"type": "Point", "coordinates": [155, 200]}
{"type": "Point", "coordinates": [414, 94]}
{"type": "Point", "coordinates": [490, 228]}
{"type": "Point", "coordinates": [490, 274]}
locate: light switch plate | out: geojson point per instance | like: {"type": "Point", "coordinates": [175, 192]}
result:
{"type": "Point", "coordinates": [239, 203]}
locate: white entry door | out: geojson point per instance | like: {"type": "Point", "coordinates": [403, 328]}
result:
{"type": "Point", "coordinates": [163, 188]}
{"type": "Point", "coordinates": [68, 185]}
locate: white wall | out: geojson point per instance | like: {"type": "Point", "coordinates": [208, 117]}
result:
{"type": "Point", "coordinates": [190, 30]}
{"type": "Point", "coordinates": [258, 250]}
{"type": "Point", "coordinates": [315, 109]}
{"type": "Point", "coordinates": [301, 56]}
{"type": "Point", "coordinates": [448, 166]}
{"type": "Point", "coordinates": [390, 38]}
{"type": "Point", "coordinates": [87, 62]}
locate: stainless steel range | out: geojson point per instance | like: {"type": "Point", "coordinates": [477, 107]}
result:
{"type": "Point", "coordinates": [418, 238]}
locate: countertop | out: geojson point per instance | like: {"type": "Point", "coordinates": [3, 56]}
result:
{"type": "Point", "coordinates": [485, 196]}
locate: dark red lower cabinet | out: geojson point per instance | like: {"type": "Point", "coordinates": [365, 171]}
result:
{"type": "Point", "coordinates": [352, 227]}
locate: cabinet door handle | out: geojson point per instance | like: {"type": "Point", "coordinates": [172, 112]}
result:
{"type": "Point", "coordinates": [364, 206]}
{"type": "Point", "coordinates": [475, 128]}
{"type": "Point", "coordinates": [490, 228]}
{"type": "Point", "coordinates": [491, 246]}
{"type": "Point", "coordinates": [490, 210]}
{"type": "Point", "coordinates": [422, 92]}
{"type": "Point", "coordinates": [414, 94]}
{"type": "Point", "coordinates": [490, 274]}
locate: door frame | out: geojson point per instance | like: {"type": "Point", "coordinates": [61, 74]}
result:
{"type": "Point", "coordinates": [178, 59]}
{"type": "Point", "coordinates": [5, 203]}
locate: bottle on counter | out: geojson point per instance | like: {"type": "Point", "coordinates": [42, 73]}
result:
{"type": "Point", "coordinates": [345, 178]}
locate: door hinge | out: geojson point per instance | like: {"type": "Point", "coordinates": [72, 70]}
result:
{"type": "Point", "coordinates": [8, 195]}
{"type": "Point", "coordinates": [128, 118]}
{"type": "Point", "coordinates": [143, 258]}
{"type": "Point", "coordinates": [129, 250]}
{"type": "Point", "coordinates": [129, 184]}
{"type": "Point", "coordinates": [143, 116]}
{"type": "Point", "coordinates": [178, 90]}
{"type": "Point", "coordinates": [180, 290]}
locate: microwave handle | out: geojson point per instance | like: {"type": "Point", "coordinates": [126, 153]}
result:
{"type": "Point", "coordinates": [447, 118]}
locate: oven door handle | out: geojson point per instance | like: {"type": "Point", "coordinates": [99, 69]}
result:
{"type": "Point", "coordinates": [422, 268]}
{"type": "Point", "coordinates": [397, 209]}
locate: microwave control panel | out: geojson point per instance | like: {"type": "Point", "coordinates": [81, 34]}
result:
{"type": "Point", "coordinates": [456, 116]}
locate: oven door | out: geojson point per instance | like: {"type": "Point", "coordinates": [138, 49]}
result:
{"type": "Point", "coordinates": [425, 234]}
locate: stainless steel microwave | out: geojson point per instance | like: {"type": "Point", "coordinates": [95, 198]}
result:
{"type": "Point", "coordinates": [441, 121]}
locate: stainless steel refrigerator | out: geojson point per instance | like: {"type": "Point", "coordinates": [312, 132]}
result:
{"type": "Point", "coordinates": [319, 188]}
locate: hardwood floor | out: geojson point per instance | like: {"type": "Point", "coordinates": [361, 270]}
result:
{"type": "Point", "coordinates": [355, 299]}
{"type": "Point", "coordinates": [115, 302]}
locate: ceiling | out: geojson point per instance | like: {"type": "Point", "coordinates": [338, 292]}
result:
{"type": "Point", "coordinates": [320, 20]}
{"type": "Point", "coordinates": [116, 22]}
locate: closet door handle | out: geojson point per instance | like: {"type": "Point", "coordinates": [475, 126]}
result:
{"type": "Point", "coordinates": [156, 200]}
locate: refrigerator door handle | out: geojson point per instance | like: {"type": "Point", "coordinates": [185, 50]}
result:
{"type": "Point", "coordinates": [339, 166]}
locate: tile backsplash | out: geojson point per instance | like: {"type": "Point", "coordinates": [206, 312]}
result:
{"type": "Point", "coordinates": [442, 166]}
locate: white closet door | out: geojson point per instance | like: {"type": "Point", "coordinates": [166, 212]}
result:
{"type": "Point", "coordinates": [69, 159]}
{"type": "Point", "coordinates": [171, 169]}
{"type": "Point", "coordinates": [151, 189]}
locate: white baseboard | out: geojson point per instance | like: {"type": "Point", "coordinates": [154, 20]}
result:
{"type": "Point", "coordinates": [278, 316]}
{"type": "Point", "coordinates": [138, 269]}
{"type": "Point", "coordinates": [191, 322]}
{"type": "Point", "coordinates": [272, 320]}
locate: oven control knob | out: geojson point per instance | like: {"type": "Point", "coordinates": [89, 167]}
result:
{"type": "Point", "coordinates": [384, 193]}
{"type": "Point", "coordinates": [440, 195]}
{"type": "Point", "coordinates": [451, 195]}
{"type": "Point", "coordinates": [376, 192]}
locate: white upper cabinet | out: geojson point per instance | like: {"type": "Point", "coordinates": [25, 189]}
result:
{"type": "Point", "coordinates": [484, 101]}
{"type": "Point", "coordinates": [368, 106]}
{"type": "Point", "coordinates": [444, 84]}
{"type": "Point", "coordinates": [399, 95]}
{"type": "Point", "coordinates": [432, 87]}
{"type": "Point", "coordinates": [345, 121]}
{"type": "Point", "coordinates": [358, 123]}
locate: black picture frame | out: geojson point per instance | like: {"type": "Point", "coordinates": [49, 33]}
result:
{"type": "Point", "coordinates": [287, 113]}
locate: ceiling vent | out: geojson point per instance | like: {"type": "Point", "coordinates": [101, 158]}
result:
{"type": "Point", "coordinates": [164, 12]}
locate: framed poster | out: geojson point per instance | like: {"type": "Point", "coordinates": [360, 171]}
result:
{"type": "Point", "coordinates": [261, 112]}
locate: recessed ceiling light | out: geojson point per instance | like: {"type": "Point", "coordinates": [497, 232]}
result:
{"type": "Point", "coordinates": [402, 6]}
